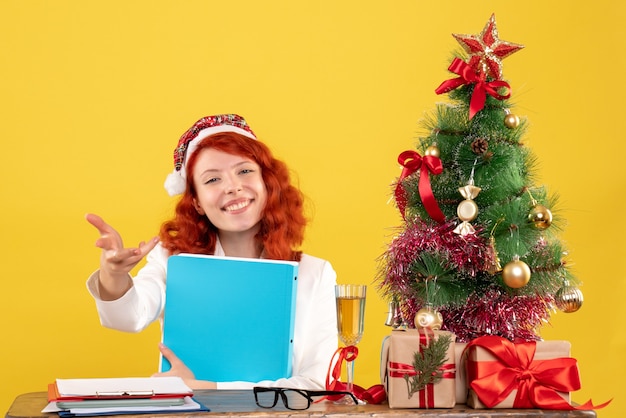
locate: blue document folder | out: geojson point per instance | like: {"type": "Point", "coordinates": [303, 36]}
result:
{"type": "Point", "coordinates": [230, 319]}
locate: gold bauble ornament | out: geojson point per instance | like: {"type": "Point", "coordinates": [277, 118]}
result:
{"type": "Point", "coordinates": [516, 274]}
{"type": "Point", "coordinates": [432, 150]}
{"type": "Point", "coordinates": [511, 121]}
{"type": "Point", "coordinates": [540, 216]}
{"type": "Point", "coordinates": [428, 317]}
{"type": "Point", "coordinates": [568, 298]}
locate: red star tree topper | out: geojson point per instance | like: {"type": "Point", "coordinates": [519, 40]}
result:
{"type": "Point", "coordinates": [486, 50]}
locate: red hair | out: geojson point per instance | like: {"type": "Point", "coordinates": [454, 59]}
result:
{"type": "Point", "coordinates": [283, 221]}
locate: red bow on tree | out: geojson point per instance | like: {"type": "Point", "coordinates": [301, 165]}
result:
{"type": "Point", "coordinates": [467, 75]}
{"type": "Point", "coordinates": [412, 161]}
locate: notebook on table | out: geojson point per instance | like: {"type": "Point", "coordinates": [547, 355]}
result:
{"type": "Point", "coordinates": [230, 319]}
{"type": "Point", "coordinates": [125, 395]}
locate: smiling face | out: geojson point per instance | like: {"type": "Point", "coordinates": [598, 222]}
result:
{"type": "Point", "coordinates": [230, 191]}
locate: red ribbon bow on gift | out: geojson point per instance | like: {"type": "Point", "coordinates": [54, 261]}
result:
{"type": "Point", "coordinates": [481, 89]}
{"type": "Point", "coordinates": [374, 395]}
{"type": "Point", "coordinates": [412, 161]}
{"type": "Point", "coordinates": [536, 381]}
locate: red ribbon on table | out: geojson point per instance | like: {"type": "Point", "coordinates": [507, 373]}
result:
{"type": "Point", "coordinates": [412, 161]}
{"type": "Point", "coordinates": [467, 75]}
{"type": "Point", "coordinates": [537, 381]}
{"type": "Point", "coordinates": [374, 395]}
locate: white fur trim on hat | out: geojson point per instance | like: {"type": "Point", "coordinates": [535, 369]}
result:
{"type": "Point", "coordinates": [175, 183]}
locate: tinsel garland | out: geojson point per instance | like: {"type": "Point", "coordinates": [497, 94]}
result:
{"type": "Point", "coordinates": [488, 310]}
{"type": "Point", "coordinates": [495, 312]}
{"type": "Point", "coordinates": [469, 253]}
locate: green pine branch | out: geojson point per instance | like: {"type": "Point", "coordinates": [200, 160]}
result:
{"type": "Point", "coordinates": [435, 282]}
{"type": "Point", "coordinates": [427, 362]}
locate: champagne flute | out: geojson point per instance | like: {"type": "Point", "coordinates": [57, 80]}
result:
{"type": "Point", "coordinates": [350, 299]}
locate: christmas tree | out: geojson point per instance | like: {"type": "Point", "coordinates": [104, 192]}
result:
{"type": "Point", "coordinates": [478, 252]}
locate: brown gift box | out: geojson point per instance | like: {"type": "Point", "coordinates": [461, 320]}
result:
{"type": "Point", "coordinates": [461, 378]}
{"type": "Point", "coordinates": [398, 351]}
{"type": "Point", "coordinates": [545, 350]}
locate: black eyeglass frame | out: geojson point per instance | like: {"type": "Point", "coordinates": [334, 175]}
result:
{"type": "Point", "coordinates": [305, 393]}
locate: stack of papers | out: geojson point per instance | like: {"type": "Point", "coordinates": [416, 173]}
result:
{"type": "Point", "coordinates": [114, 396]}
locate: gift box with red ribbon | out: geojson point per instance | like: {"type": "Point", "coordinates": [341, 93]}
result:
{"type": "Point", "coordinates": [398, 372]}
{"type": "Point", "coordinates": [502, 374]}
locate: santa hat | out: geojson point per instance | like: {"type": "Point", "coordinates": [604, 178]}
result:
{"type": "Point", "coordinates": [175, 182]}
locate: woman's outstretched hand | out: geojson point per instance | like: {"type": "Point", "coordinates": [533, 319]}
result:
{"type": "Point", "coordinates": [116, 262]}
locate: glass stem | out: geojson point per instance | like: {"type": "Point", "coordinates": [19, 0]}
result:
{"type": "Point", "coordinates": [350, 372]}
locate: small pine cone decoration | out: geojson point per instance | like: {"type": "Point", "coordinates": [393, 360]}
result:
{"type": "Point", "coordinates": [479, 146]}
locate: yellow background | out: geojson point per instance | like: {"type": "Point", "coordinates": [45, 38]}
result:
{"type": "Point", "coordinates": [95, 95]}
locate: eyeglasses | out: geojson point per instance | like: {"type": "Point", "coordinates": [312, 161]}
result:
{"type": "Point", "coordinates": [294, 399]}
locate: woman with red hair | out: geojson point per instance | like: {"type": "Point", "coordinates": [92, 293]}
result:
{"type": "Point", "coordinates": [237, 201]}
